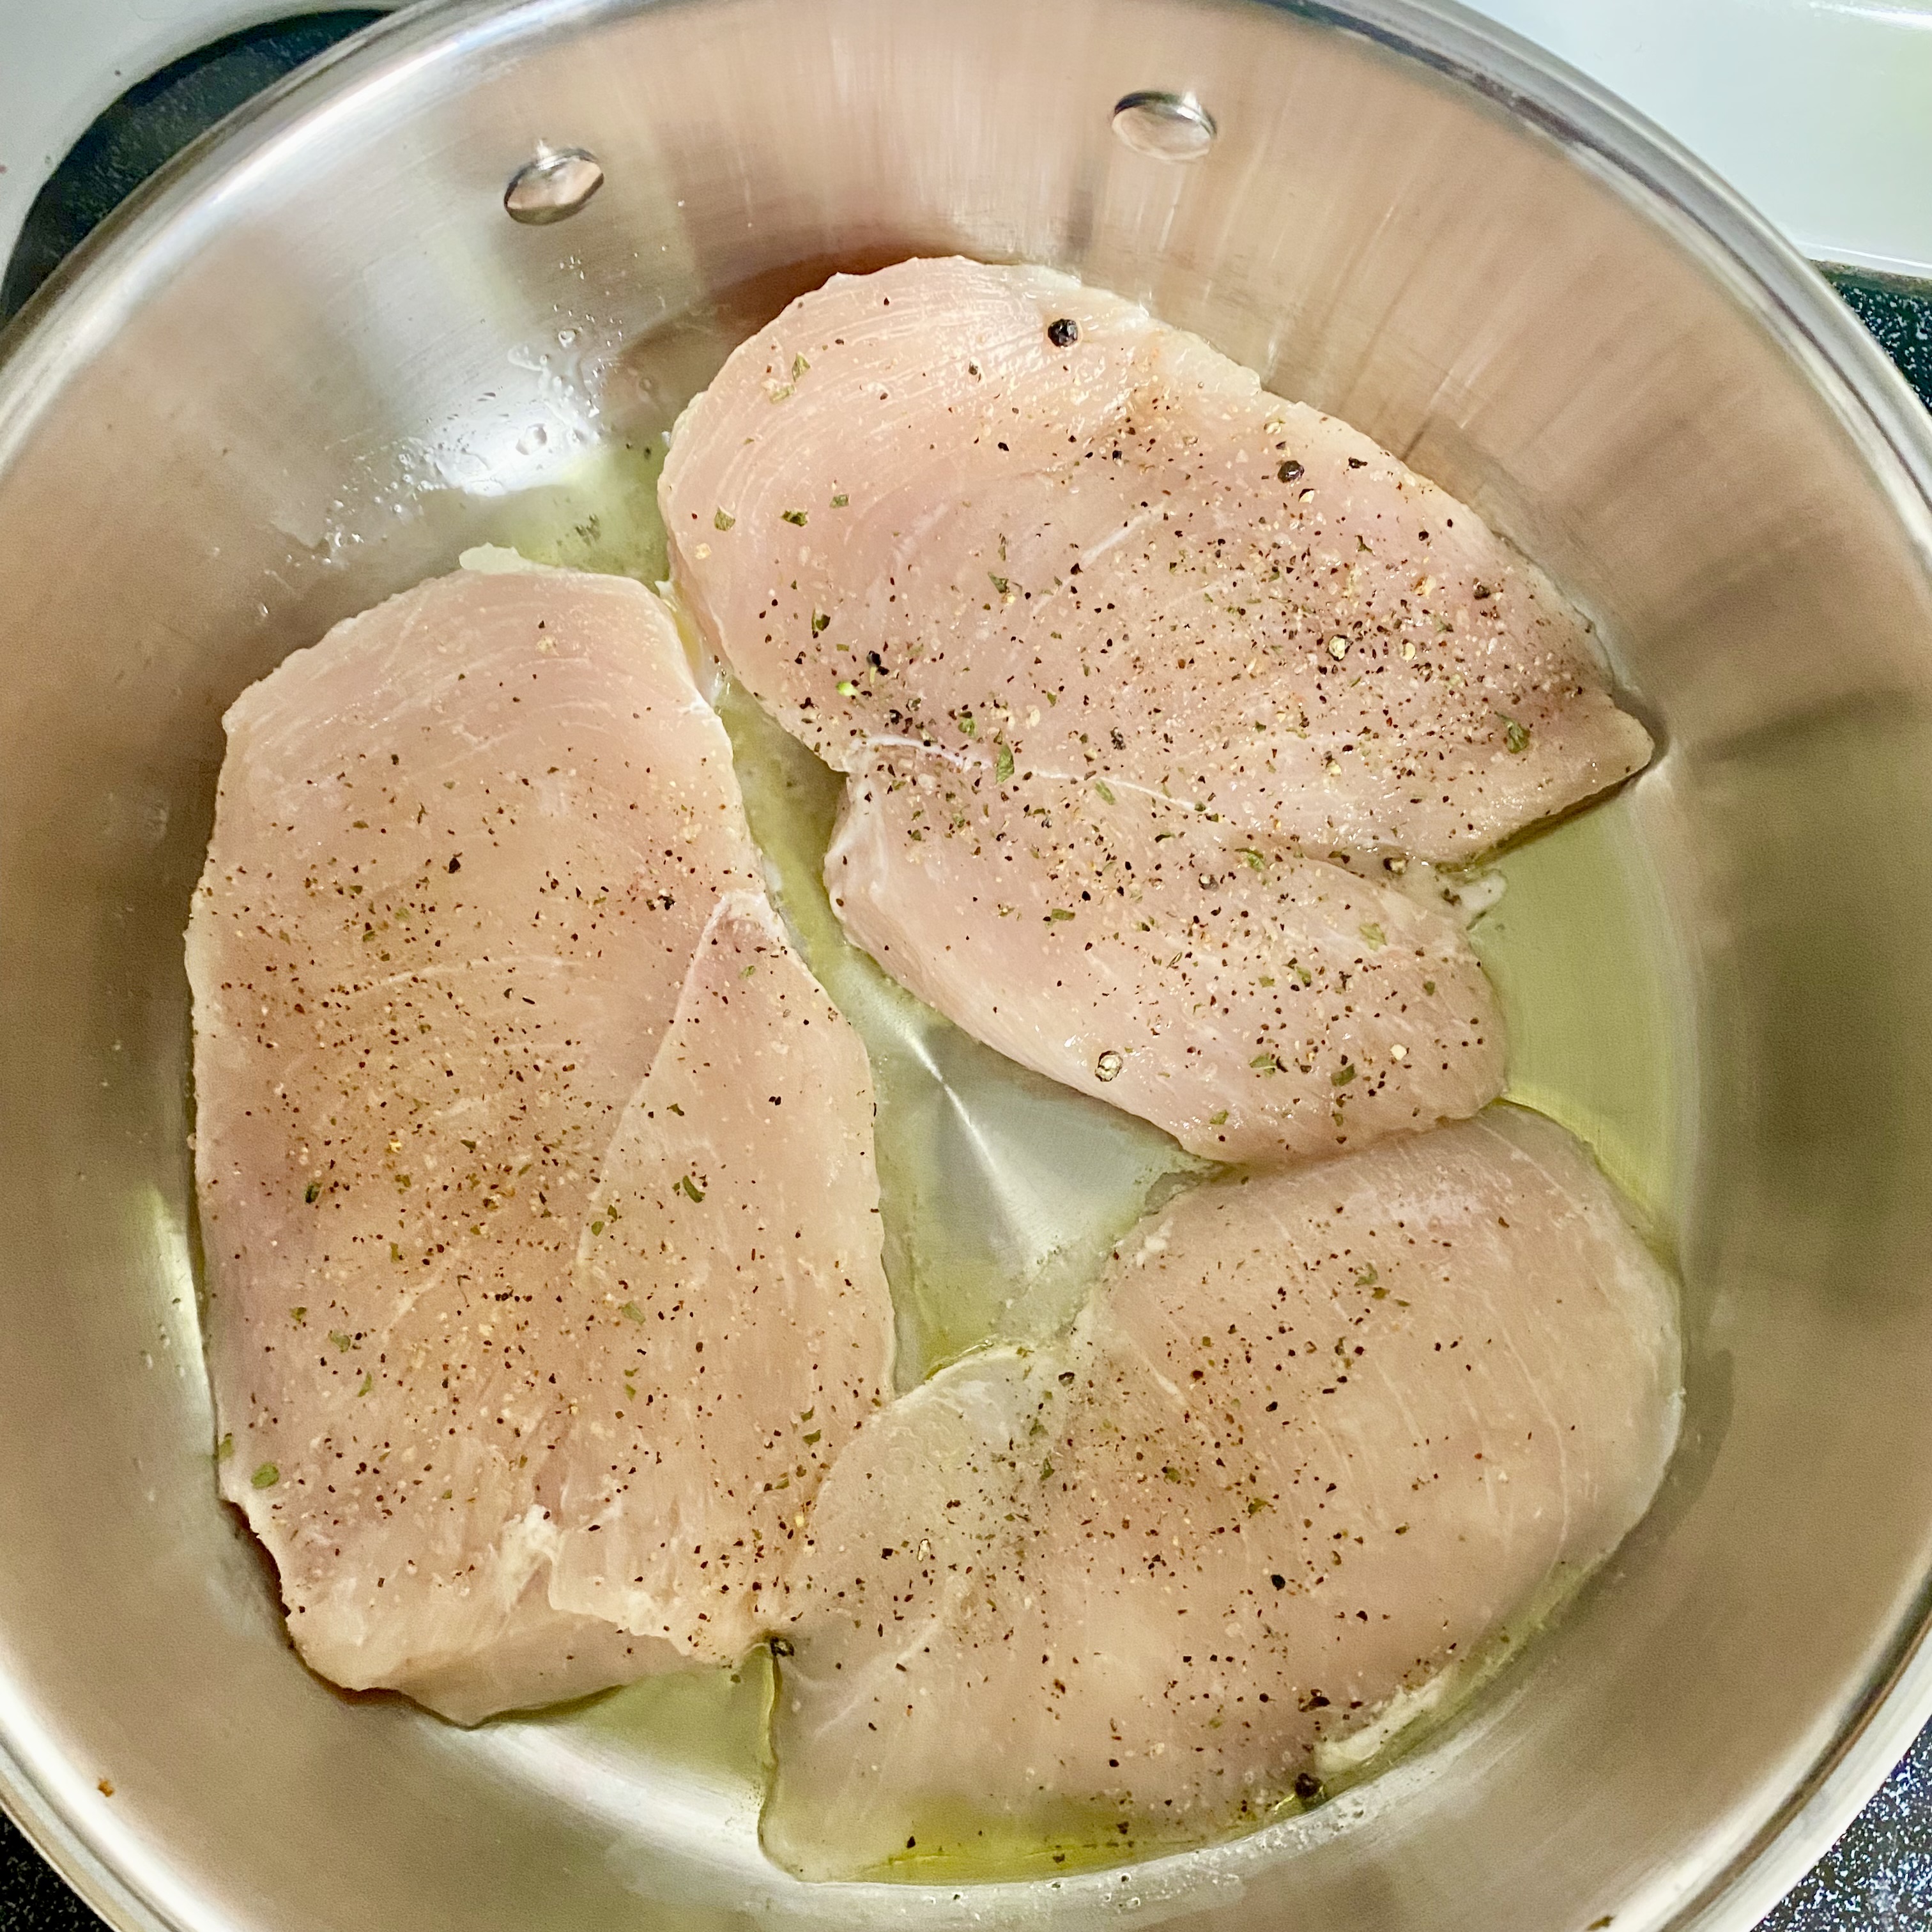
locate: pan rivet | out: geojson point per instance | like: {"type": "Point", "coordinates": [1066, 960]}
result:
{"type": "Point", "coordinates": [1168, 127]}
{"type": "Point", "coordinates": [553, 184]}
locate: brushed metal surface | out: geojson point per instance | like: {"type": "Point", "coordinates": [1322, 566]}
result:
{"type": "Point", "coordinates": [316, 360]}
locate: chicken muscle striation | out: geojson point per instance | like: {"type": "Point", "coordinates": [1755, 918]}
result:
{"type": "Point", "coordinates": [535, 1172]}
{"type": "Point", "coordinates": [1318, 1436]}
{"type": "Point", "coordinates": [1251, 1001]}
{"type": "Point", "coordinates": [994, 511]}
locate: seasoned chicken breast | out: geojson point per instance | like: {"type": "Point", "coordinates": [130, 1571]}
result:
{"type": "Point", "coordinates": [535, 1172]}
{"type": "Point", "coordinates": [995, 512]}
{"type": "Point", "coordinates": [1318, 1437]}
{"type": "Point", "coordinates": [1254, 1003]}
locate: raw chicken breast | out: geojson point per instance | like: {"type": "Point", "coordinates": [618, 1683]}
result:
{"type": "Point", "coordinates": [992, 511]}
{"type": "Point", "coordinates": [737, 1212]}
{"type": "Point", "coordinates": [1254, 1003]}
{"type": "Point", "coordinates": [1318, 1437]}
{"type": "Point", "coordinates": [524, 1383]}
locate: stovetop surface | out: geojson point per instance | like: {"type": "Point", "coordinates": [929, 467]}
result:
{"type": "Point", "coordinates": [1878, 1878]}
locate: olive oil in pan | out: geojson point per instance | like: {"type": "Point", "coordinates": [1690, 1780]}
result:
{"type": "Point", "coordinates": [1002, 1192]}
{"type": "Point", "coordinates": [601, 514]}
{"type": "Point", "coordinates": [1593, 995]}
{"type": "Point", "coordinates": [711, 1725]}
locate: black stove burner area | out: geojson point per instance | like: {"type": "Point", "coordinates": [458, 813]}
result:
{"type": "Point", "coordinates": [1879, 1876]}
{"type": "Point", "coordinates": [1899, 313]}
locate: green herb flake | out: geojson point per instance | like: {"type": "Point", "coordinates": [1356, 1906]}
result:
{"type": "Point", "coordinates": [343, 1343]}
{"type": "Point", "coordinates": [1003, 763]}
{"type": "Point", "coordinates": [1218, 1119]}
{"type": "Point", "coordinates": [793, 517]}
{"type": "Point", "coordinates": [968, 727]}
{"type": "Point", "coordinates": [799, 367]}
{"type": "Point", "coordinates": [1257, 1504]}
{"type": "Point", "coordinates": [839, 502]}
{"type": "Point", "coordinates": [1429, 986]}
{"type": "Point", "coordinates": [1256, 863]}
{"type": "Point", "coordinates": [266, 1477]}
{"type": "Point", "coordinates": [312, 1192]}
{"type": "Point", "coordinates": [1046, 1470]}
{"type": "Point", "coordinates": [691, 1188]}
{"type": "Point", "coordinates": [597, 1227]}
{"type": "Point", "coordinates": [368, 1383]}
{"type": "Point", "coordinates": [1366, 1277]}
{"type": "Point", "coordinates": [1515, 735]}
{"type": "Point", "coordinates": [1265, 1063]}
{"type": "Point", "coordinates": [723, 519]}
{"type": "Point", "coordinates": [1104, 789]}
{"type": "Point", "coordinates": [1374, 937]}
{"type": "Point", "coordinates": [813, 1437]}
{"type": "Point", "coordinates": [224, 1448]}
{"type": "Point", "coordinates": [1342, 1077]}
{"type": "Point", "coordinates": [1056, 913]}
{"type": "Point", "coordinates": [1172, 1474]}
{"type": "Point", "coordinates": [820, 619]}
{"type": "Point", "coordinates": [846, 688]}
{"type": "Point", "coordinates": [630, 1312]}
{"type": "Point", "coordinates": [999, 583]}
{"type": "Point", "coordinates": [298, 1316]}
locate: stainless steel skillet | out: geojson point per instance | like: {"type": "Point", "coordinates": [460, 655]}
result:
{"type": "Point", "coordinates": [314, 360]}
